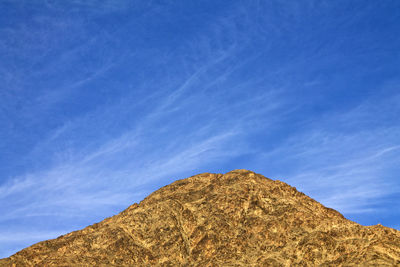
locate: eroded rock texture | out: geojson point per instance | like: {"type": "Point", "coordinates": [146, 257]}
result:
{"type": "Point", "coordinates": [236, 219]}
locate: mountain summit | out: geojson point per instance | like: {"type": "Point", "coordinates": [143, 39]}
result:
{"type": "Point", "coordinates": [235, 219]}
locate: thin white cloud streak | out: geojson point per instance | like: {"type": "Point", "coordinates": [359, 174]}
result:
{"type": "Point", "coordinates": [81, 188]}
{"type": "Point", "coordinates": [188, 83]}
{"type": "Point", "coordinates": [351, 170]}
{"type": "Point", "coordinates": [168, 102]}
{"type": "Point", "coordinates": [22, 236]}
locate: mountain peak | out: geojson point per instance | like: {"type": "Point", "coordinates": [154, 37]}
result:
{"type": "Point", "coordinates": [238, 218]}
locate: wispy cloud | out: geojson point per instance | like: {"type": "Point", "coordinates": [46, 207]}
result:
{"type": "Point", "coordinates": [16, 237]}
{"type": "Point", "coordinates": [349, 169]}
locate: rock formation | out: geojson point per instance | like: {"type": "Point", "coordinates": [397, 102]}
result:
{"type": "Point", "coordinates": [237, 219]}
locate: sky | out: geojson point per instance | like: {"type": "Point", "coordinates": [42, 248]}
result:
{"type": "Point", "coordinates": [104, 102]}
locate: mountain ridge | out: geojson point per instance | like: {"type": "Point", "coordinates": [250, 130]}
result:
{"type": "Point", "coordinates": [235, 219]}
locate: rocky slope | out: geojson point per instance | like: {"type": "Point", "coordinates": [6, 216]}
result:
{"type": "Point", "coordinates": [236, 219]}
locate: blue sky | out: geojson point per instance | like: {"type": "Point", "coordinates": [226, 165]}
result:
{"type": "Point", "coordinates": [103, 102]}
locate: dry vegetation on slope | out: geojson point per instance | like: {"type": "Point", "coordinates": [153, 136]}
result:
{"type": "Point", "coordinates": [236, 219]}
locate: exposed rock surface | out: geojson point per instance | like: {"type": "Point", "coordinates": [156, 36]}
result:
{"type": "Point", "coordinates": [236, 219]}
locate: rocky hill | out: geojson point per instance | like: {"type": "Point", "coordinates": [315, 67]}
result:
{"type": "Point", "coordinates": [235, 219]}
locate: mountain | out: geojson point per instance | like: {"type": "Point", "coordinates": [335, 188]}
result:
{"type": "Point", "coordinates": [235, 219]}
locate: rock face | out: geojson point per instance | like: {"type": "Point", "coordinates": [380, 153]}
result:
{"type": "Point", "coordinates": [237, 219]}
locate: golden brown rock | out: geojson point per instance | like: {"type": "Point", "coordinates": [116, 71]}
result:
{"type": "Point", "coordinates": [236, 219]}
